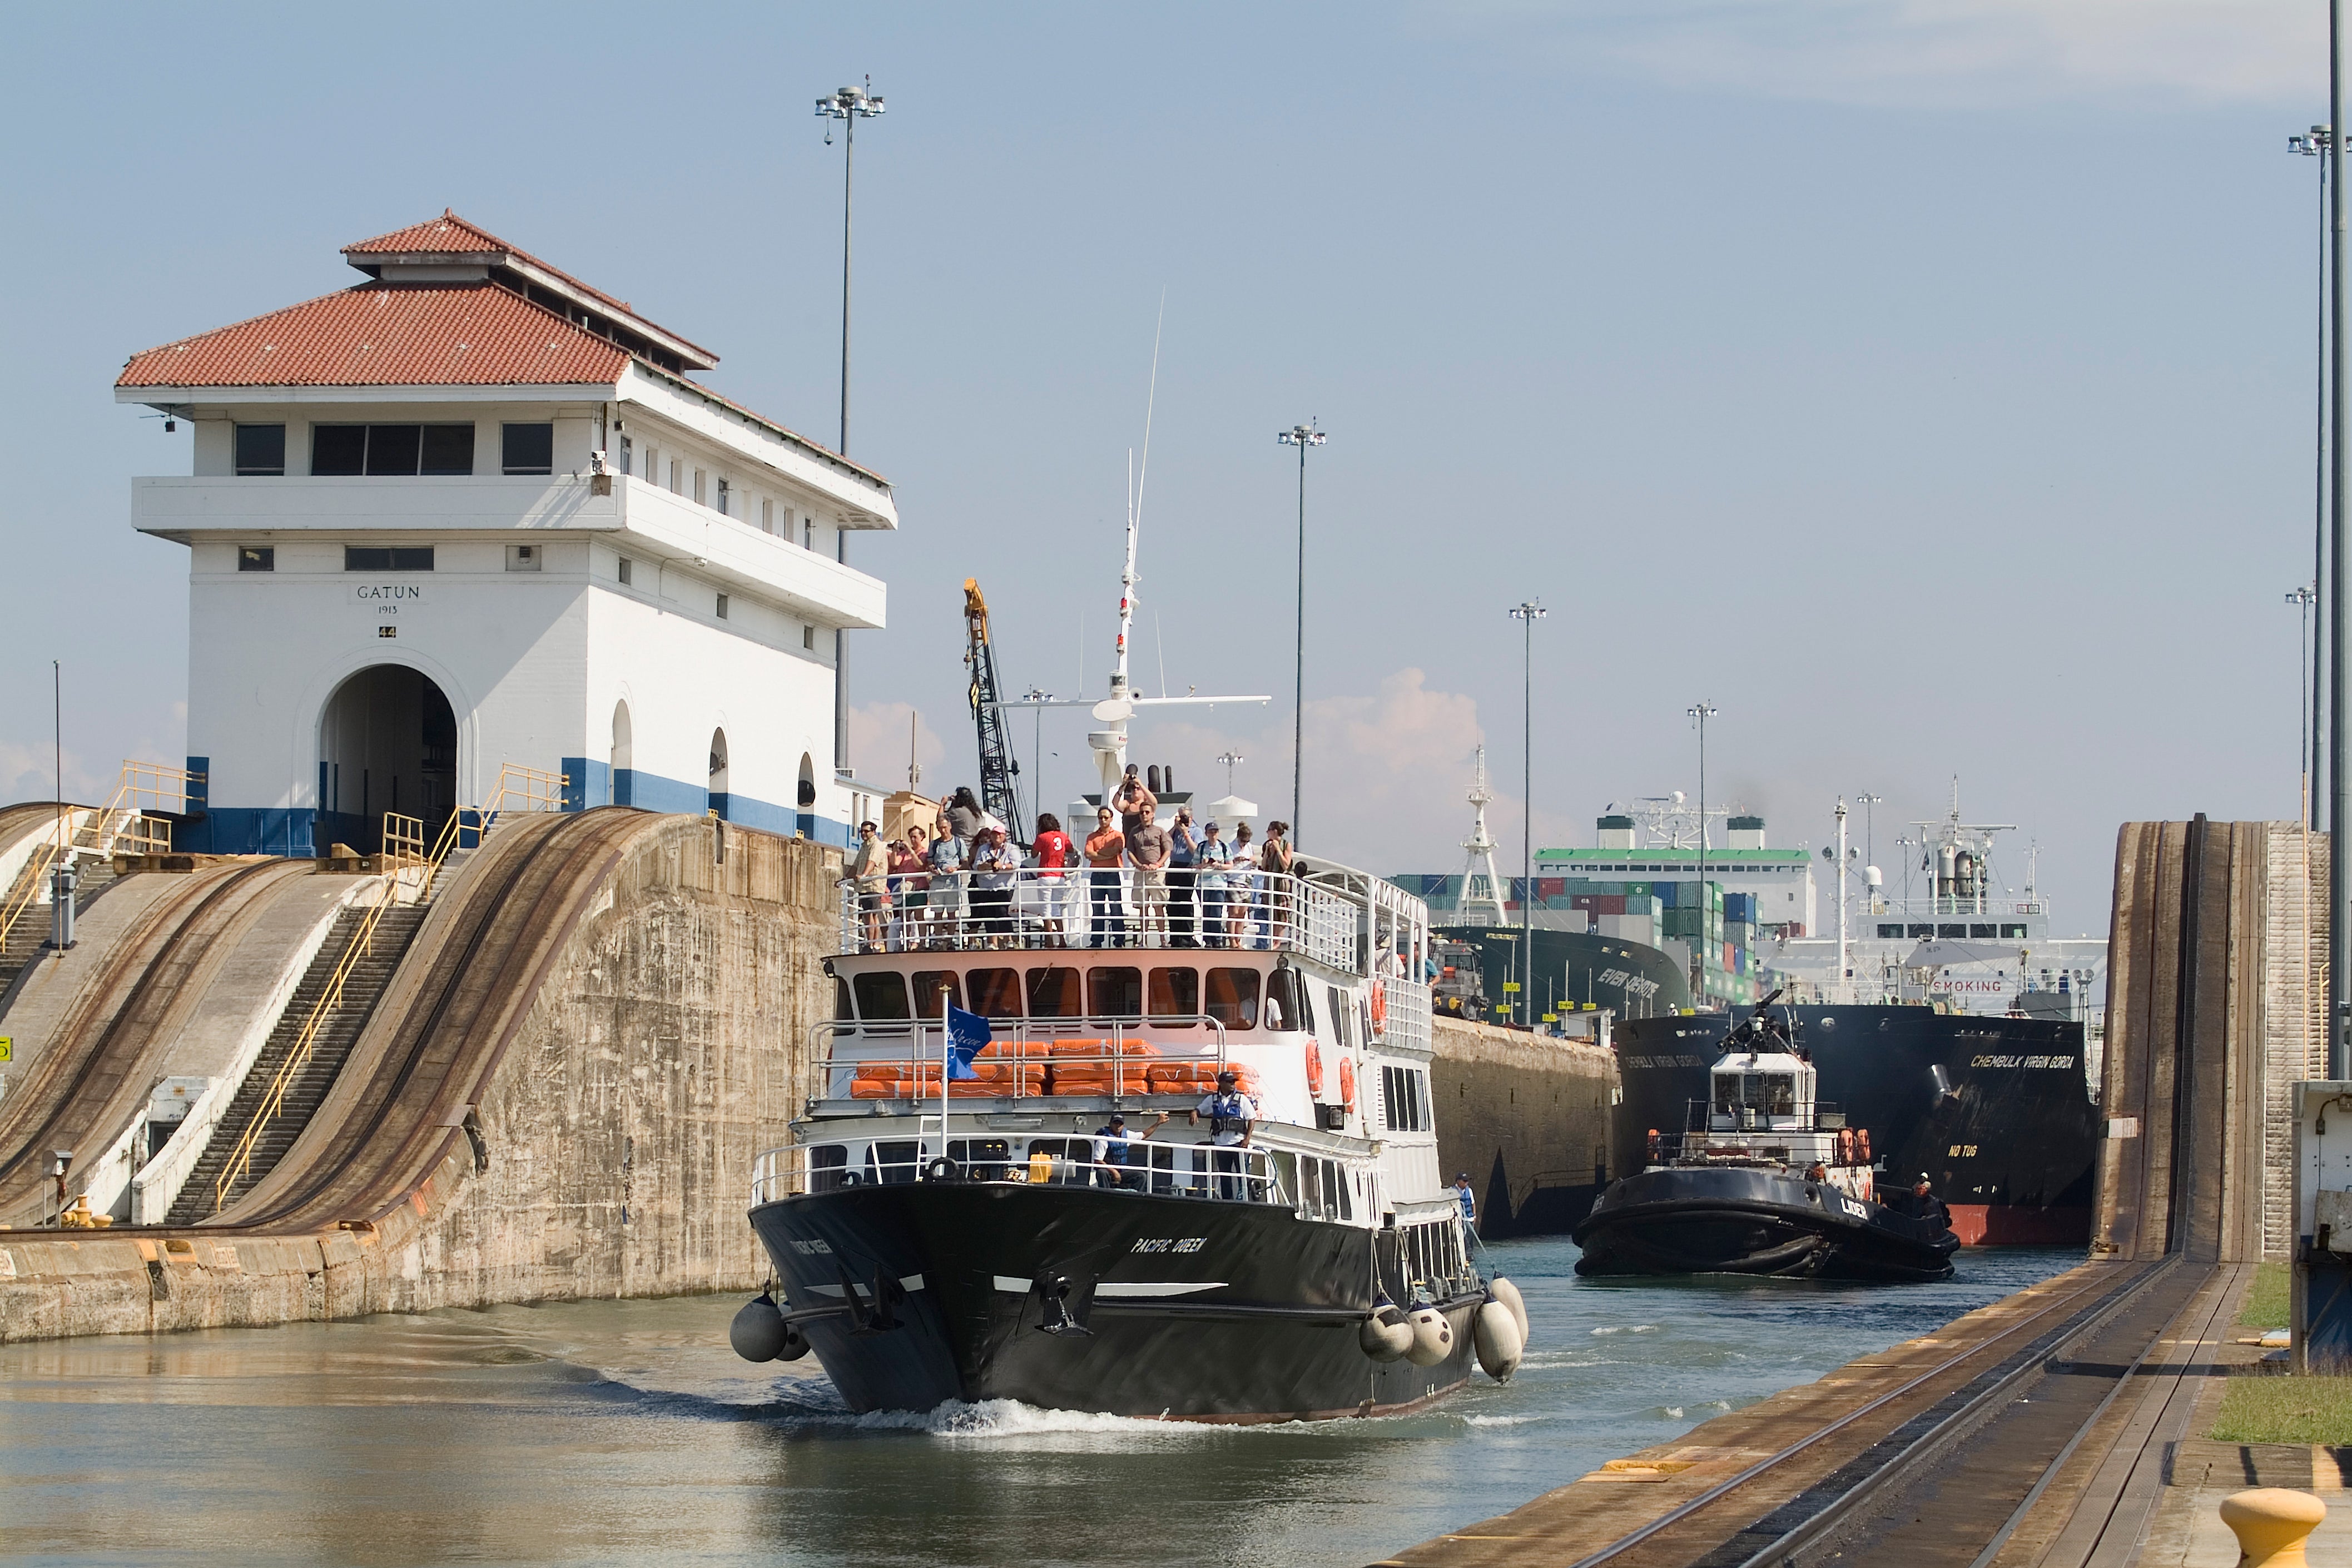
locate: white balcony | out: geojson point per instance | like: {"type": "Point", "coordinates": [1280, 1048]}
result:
{"type": "Point", "coordinates": [638, 518]}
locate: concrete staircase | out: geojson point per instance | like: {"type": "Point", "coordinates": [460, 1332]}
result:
{"type": "Point", "coordinates": [29, 939]}
{"type": "Point", "coordinates": [362, 987]}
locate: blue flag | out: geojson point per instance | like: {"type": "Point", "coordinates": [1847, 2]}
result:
{"type": "Point", "coordinates": [967, 1032]}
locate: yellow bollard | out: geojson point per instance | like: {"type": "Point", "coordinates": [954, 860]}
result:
{"type": "Point", "coordinates": [2270, 1524]}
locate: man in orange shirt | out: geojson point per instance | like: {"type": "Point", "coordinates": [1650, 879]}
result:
{"type": "Point", "coordinates": [1105, 853]}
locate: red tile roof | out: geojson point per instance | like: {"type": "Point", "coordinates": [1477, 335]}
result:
{"type": "Point", "coordinates": [453, 237]}
{"type": "Point", "coordinates": [389, 334]}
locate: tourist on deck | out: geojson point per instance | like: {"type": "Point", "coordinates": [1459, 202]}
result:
{"type": "Point", "coordinates": [993, 872]}
{"type": "Point", "coordinates": [944, 903]}
{"type": "Point", "coordinates": [869, 859]}
{"type": "Point", "coordinates": [1243, 888]}
{"type": "Point", "coordinates": [1135, 806]}
{"type": "Point", "coordinates": [1055, 854]}
{"type": "Point", "coordinates": [1278, 865]}
{"type": "Point", "coordinates": [965, 818]}
{"type": "Point", "coordinates": [1214, 855]}
{"type": "Point", "coordinates": [1182, 857]}
{"type": "Point", "coordinates": [907, 879]}
{"type": "Point", "coordinates": [1105, 853]}
{"type": "Point", "coordinates": [1148, 849]}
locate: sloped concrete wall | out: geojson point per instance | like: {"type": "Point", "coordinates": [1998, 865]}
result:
{"type": "Point", "coordinates": [667, 1045]}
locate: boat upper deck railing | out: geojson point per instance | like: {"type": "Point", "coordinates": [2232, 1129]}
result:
{"type": "Point", "coordinates": [1955, 909]}
{"type": "Point", "coordinates": [1225, 1173]}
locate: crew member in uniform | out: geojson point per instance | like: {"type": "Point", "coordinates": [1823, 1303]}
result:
{"type": "Point", "coordinates": [1231, 1115]}
{"type": "Point", "coordinates": [1469, 1204]}
{"type": "Point", "coordinates": [1115, 1159]}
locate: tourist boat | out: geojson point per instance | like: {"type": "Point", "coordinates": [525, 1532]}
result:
{"type": "Point", "coordinates": [1764, 1178]}
{"type": "Point", "coordinates": [941, 1237]}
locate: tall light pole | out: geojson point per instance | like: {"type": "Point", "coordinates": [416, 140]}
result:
{"type": "Point", "coordinates": [2302, 599]}
{"type": "Point", "coordinates": [1702, 712]}
{"type": "Point", "coordinates": [1528, 615]}
{"type": "Point", "coordinates": [848, 105]}
{"type": "Point", "coordinates": [1301, 436]}
{"type": "Point", "coordinates": [2339, 789]}
{"type": "Point", "coordinates": [2321, 145]}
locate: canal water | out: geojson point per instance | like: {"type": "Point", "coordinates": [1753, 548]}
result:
{"type": "Point", "coordinates": [625, 1431]}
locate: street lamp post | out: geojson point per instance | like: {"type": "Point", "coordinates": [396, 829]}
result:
{"type": "Point", "coordinates": [1528, 615]}
{"type": "Point", "coordinates": [2318, 143]}
{"type": "Point", "coordinates": [1702, 712]}
{"type": "Point", "coordinates": [2339, 789]}
{"type": "Point", "coordinates": [848, 105]}
{"type": "Point", "coordinates": [1301, 436]}
{"type": "Point", "coordinates": [2303, 597]}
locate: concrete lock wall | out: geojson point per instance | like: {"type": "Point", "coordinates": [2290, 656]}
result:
{"type": "Point", "coordinates": [667, 1046]}
{"type": "Point", "coordinates": [1528, 1116]}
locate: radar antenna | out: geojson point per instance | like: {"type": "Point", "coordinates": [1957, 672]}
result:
{"type": "Point", "coordinates": [1481, 900]}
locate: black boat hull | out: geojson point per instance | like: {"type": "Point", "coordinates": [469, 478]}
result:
{"type": "Point", "coordinates": [1747, 1220]}
{"type": "Point", "coordinates": [1191, 1310]}
{"type": "Point", "coordinates": [2008, 1132]}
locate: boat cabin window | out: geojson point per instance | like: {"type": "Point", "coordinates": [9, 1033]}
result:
{"type": "Point", "coordinates": [881, 995]}
{"type": "Point", "coordinates": [1404, 1100]}
{"type": "Point", "coordinates": [934, 987]}
{"type": "Point", "coordinates": [826, 1163]}
{"type": "Point", "coordinates": [893, 1161]}
{"type": "Point", "coordinates": [996, 993]}
{"type": "Point", "coordinates": [1173, 994]}
{"type": "Point", "coordinates": [982, 1158]}
{"type": "Point", "coordinates": [1054, 993]}
{"type": "Point", "coordinates": [842, 1010]}
{"type": "Point", "coordinates": [1232, 997]}
{"type": "Point", "coordinates": [1339, 1017]}
{"type": "Point", "coordinates": [1767, 1093]}
{"type": "Point", "coordinates": [1115, 993]}
{"type": "Point", "coordinates": [1323, 1189]}
{"type": "Point", "coordinates": [1286, 1001]}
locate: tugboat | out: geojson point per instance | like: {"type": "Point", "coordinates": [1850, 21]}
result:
{"type": "Point", "coordinates": [1764, 1179]}
{"type": "Point", "coordinates": [1023, 1176]}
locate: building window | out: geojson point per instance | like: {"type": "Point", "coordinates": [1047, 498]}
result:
{"type": "Point", "coordinates": [256, 558]}
{"type": "Point", "coordinates": [523, 557]}
{"type": "Point", "coordinates": [398, 450]}
{"type": "Point", "coordinates": [722, 607]}
{"type": "Point", "coordinates": [808, 532]}
{"type": "Point", "coordinates": [767, 516]}
{"type": "Point", "coordinates": [624, 456]}
{"type": "Point", "coordinates": [527, 448]}
{"type": "Point", "coordinates": [808, 639]}
{"type": "Point", "coordinates": [625, 564]}
{"type": "Point", "coordinates": [372, 558]}
{"type": "Point", "coordinates": [697, 487]}
{"type": "Point", "coordinates": [722, 499]}
{"type": "Point", "coordinates": [261, 448]}
{"type": "Point", "coordinates": [676, 473]}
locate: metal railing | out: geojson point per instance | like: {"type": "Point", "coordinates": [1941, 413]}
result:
{"type": "Point", "coordinates": [1226, 1173]}
{"type": "Point", "coordinates": [120, 825]}
{"type": "Point", "coordinates": [977, 910]}
{"type": "Point", "coordinates": [404, 841]}
{"type": "Point", "coordinates": [331, 1000]}
{"type": "Point", "coordinates": [523, 789]}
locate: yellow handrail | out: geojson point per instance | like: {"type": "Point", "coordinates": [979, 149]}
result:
{"type": "Point", "coordinates": [240, 1160]}
{"type": "Point", "coordinates": [404, 841]}
{"type": "Point", "coordinates": [101, 831]}
{"type": "Point", "coordinates": [526, 789]}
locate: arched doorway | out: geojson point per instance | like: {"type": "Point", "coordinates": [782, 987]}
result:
{"type": "Point", "coordinates": [625, 756]}
{"type": "Point", "coordinates": [805, 801]}
{"type": "Point", "coordinates": [387, 741]}
{"type": "Point", "coordinates": [718, 772]}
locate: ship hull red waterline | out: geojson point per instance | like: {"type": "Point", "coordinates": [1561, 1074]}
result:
{"type": "Point", "coordinates": [1167, 1308]}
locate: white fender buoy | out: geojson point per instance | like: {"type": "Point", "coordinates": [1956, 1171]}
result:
{"type": "Point", "coordinates": [1433, 1337]}
{"type": "Point", "coordinates": [1387, 1333]}
{"type": "Point", "coordinates": [1503, 1290]}
{"type": "Point", "coordinates": [1496, 1334]}
{"type": "Point", "coordinates": [759, 1331]}
{"type": "Point", "coordinates": [796, 1344]}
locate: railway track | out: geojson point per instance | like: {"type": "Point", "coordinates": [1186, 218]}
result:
{"type": "Point", "coordinates": [1935, 1466]}
{"type": "Point", "coordinates": [92, 1073]}
{"type": "Point", "coordinates": [439, 1033]}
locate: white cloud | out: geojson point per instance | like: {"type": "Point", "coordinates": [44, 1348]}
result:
{"type": "Point", "coordinates": [1386, 773]}
{"type": "Point", "coordinates": [1948, 53]}
{"type": "Point", "coordinates": [877, 745]}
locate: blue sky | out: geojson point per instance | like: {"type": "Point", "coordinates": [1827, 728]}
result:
{"type": "Point", "coordinates": [1925, 384]}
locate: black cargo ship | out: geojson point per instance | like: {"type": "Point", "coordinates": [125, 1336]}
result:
{"type": "Point", "coordinates": [1997, 1112]}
